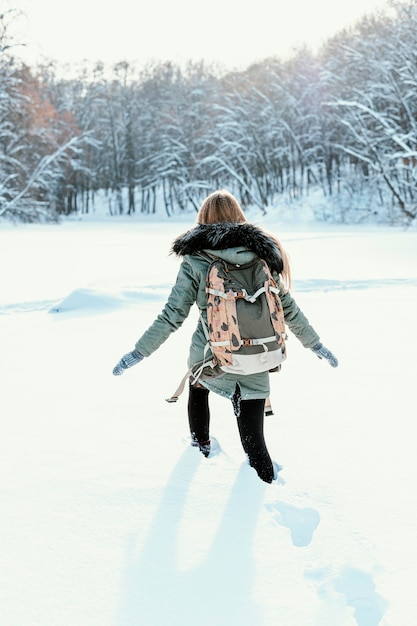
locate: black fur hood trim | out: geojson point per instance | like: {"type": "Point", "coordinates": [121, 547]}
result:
{"type": "Point", "coordinates": [222, 235]}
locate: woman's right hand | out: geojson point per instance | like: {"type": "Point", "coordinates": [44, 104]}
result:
{"type": "Point", "coordinates": [128, 360]}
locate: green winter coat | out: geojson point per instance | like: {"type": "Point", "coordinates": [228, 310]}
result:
{"type": "Point", "coordinates": [189, 288]}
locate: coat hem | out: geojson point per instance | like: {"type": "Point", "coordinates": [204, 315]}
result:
{"type": "Point", "coordinates": [256, 395]}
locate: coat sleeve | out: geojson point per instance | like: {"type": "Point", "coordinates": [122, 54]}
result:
{"type": "Point", "coordinates": [297, 321]}
{"type": "Point", "coordinates": [180, 300]}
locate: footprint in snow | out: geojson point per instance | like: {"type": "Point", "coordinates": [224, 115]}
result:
{"type": "Point", "coordinates": [302, 522]}
{"type": "Point", "coordinates": [359, 589]}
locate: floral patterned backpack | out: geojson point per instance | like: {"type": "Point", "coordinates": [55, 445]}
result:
{"type": "Point", "coordinates": [245, 328]}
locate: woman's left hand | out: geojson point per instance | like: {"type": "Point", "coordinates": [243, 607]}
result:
{"type": "Point", "coordinates": [323, 353]}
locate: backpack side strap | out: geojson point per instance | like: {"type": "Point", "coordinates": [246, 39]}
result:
{"type": "Point", "coordinates": [179, 389]}
{"type": "Point", "coordinates": [193, 373]}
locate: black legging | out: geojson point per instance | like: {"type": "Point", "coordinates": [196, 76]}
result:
{"type": "Point", "coordinates": [250, 421]}
{"type": "Point", "coordinates": [199, 414]}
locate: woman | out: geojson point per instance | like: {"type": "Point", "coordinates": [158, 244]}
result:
{"type": "Point", "coordinates": [222, 230]}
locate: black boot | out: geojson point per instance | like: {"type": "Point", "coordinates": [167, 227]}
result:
{"type": "Point", "coordinates": [199, 418]}
{"type": "Point", "coordinates": [250, 421]}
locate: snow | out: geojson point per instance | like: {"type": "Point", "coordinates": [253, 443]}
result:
{"type": "Point", "coordinates": [110, 518]}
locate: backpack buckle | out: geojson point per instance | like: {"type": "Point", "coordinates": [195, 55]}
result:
{"type": "Point", "coordinates": [240, 294]}
{"type": "Point", "coordinates": [246, 342]}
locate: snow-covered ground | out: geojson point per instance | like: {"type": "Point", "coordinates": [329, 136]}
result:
{"type": "Point", "coordinates": [109, 518]}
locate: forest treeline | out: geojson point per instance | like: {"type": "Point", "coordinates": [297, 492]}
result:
{"type": "Point", "coordinates": [341, 122]}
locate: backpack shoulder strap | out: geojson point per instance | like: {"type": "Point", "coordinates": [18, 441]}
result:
{"type": "Point", "coordinates": [208, 257]}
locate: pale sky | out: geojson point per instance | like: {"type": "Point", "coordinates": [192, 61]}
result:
{"type": "Point", "coordinates": [234, 33]}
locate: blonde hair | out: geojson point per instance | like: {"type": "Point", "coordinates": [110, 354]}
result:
{"type": "Point", "coordinates": [222, 206]}
{"type": "Point", "coordinates": [285, 275]}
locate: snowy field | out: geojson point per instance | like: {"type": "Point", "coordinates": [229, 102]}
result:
{"type": "Point", "coordinates": [109, 518]}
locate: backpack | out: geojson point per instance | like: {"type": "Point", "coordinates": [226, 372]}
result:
{"type": "Point", "coordinates": [245, 328]}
